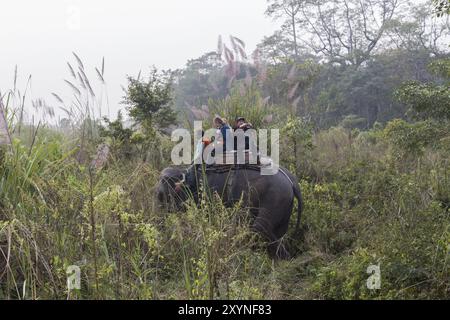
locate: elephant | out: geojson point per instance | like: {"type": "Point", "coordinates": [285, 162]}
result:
{"type": "Point", "coordinates": [269, 198]}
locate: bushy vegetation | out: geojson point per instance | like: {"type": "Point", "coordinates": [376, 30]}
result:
{"type": "Point", "coordinates": [366, 133]}
{"type": "Point", "coordinates": [365, 204]}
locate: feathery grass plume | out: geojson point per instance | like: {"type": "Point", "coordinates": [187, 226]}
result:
{"type": "Point", "coordinates": [242, 101]}
{"type": "Point", "coordinates": [100, 76]}
{"type": "Point", "coordinates": [41, 105]}
{"type": "Point", "coordinates": [81, 80]}
{"type": "Point", "coordinates": [234, 45]}
{"type": "Point", "coordinates": [80, 63]}
{"type": "Point", "coordinates": [5, 138]}
{"type": "Point", "coordinates": [22, 105]}
{"type": "Point", "coordinates": [72, 72]}
{"type": "Point", "coordinates": [220, 47]}
{"type": "Point", "coordinates": [229, 56]}
{"type": "Point", "coordinates": [90, 88]}
{"type": "Point", "coordinates": [238, 47]}
{"type": "Point", "coordinates": [248, 77]}
{"type": "Point", "coordinates": [73, 87]}
{"type": "Point", "coordinates": [233, 58]}
{"type": "Point", "coordinates": [34, 134]}
{"type": "Point", "coordinates": [242, 53]}
{"type": "Point", "coordinates": [82, 75]}
{"type": "Point", "coordinates": [239, 41]}
{"type": "Point", "coordinates": [260, 66]}
{"type": "Point", "coordinates": [231, 67]}
{"type": "Point", "coordinates": [15, 78]}
{"type": "Point", "coordinates": [82, 108]}
{"type": "Point", "coordinates": [57, 97]}
{"type": "Point", "coordinates": [86, 81]}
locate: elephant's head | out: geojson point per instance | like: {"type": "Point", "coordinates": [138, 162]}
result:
{"type": "Point", "coordinates": [170, 190]}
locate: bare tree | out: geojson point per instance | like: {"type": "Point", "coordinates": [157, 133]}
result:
{"type": "Point", "coordinates": [420, 29]}
{"type": "Point", "coordinates": [345, 31]}
{"type": "Point", "coordinates": [275, 48]}
{"type": "Point", "coordinates": [289, 10]}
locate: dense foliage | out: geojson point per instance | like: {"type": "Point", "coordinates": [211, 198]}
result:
{"type": "Point", "coordinates": [368, 201]}
{"type": "Point", "coordinates": [364, 122]}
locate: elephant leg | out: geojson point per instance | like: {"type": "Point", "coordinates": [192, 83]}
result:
{"type": "Point", "coordinates": [275, 246]}
{"type": "Point", "coordinates": [277, 250]}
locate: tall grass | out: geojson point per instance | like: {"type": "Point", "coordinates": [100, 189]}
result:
{"type": "Point", "coordinates": [364, 204]}
{"type": "Point", "coordinates": [363, 209]}
{"type": "Point", "coordinates": [244, 101]}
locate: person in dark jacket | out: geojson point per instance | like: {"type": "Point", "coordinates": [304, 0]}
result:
{"type": "Point", "coordinates": [225, 132]}
{"type": "Point", "coordinates": [241, 124]}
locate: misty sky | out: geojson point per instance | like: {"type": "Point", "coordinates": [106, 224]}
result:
{"type": "Point", "coordinates": [39, 37]}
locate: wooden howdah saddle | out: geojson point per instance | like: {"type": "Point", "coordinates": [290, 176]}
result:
{"type": "Point", "coordinates": [232, 160]}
